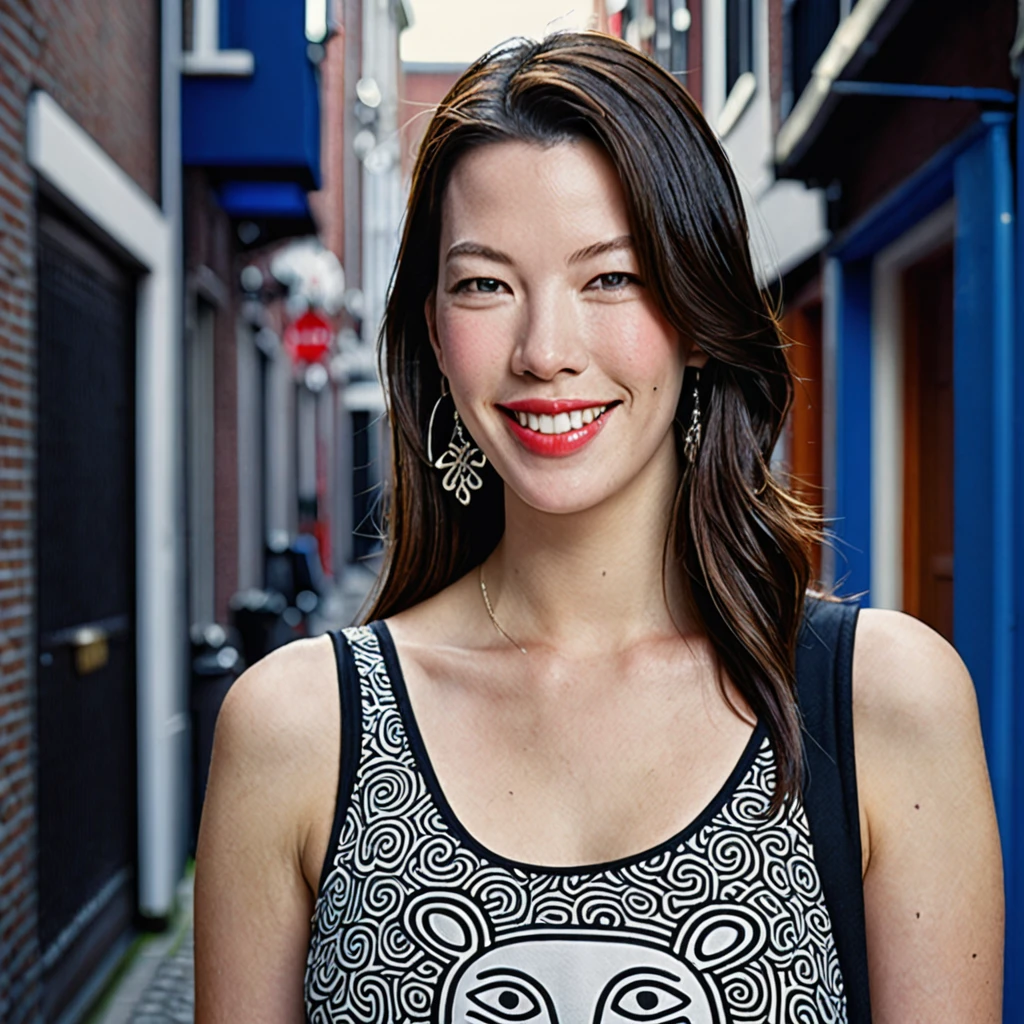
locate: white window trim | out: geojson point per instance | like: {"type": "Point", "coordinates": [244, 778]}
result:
{"type": "Point", "coordinates": [740, 95]}
{"type": "Point", "coordinates": [206, 57]}
{"type": "Point", "coordinates": [887, 376]}
{"type": "Point", "coordinates": [851, 34]}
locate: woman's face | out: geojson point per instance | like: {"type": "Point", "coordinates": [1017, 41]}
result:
{"type": "Point", "coordinates": [561, 366]}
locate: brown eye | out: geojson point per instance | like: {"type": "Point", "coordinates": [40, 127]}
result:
{"type": "Point", "coordinates": [615, 281]}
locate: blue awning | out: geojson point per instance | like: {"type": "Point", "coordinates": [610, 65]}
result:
{"type": "Point", "coordinates": [263, 199]}
{"type": "Point", "coordinates": [263, 123]}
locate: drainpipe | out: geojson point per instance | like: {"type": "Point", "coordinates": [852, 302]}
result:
{"type": "Point", "coordinates": [162, 634]}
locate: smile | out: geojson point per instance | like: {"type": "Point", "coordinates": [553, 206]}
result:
{"type": "Point", "coordinates": [556, 428]}
{"type": "Point", "coordinates": [562, 422]}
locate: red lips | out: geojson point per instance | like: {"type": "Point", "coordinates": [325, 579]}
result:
{"type": "Point", "coordinates": [555, 445]}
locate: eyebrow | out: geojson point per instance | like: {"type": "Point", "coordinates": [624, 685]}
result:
{"type": "Point", "coordinates": [580, 256]}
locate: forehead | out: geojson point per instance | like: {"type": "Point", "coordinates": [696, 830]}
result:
{"type": "Point", "coordinates": [505, 193]}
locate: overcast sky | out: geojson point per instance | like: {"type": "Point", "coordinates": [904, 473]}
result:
{"type": "Point", "coordinates": [459, 31]}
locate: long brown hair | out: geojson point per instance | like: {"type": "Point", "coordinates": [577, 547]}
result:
{"type": "Point", "coordinates": [741, 542]}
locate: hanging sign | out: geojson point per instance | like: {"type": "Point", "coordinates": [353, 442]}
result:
{"type": "Point", "coordinates": [308, 338]}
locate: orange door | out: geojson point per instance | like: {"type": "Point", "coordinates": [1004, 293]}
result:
{"type": "Point", "coordinates": [802, 326]}
{"type": "Point", "coordinates": [928, 441]}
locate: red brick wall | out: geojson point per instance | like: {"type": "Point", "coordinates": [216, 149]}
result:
{"type": "Point", "coordinates": [877, 143]}
{"type": "Point", "coordinates": [328, 204]}
{"type": "Point", "coordinates": [98, 59]}
{"type": "Point", "coordinates": [421, 92]}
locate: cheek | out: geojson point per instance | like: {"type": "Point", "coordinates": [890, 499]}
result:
{"type": "Point", "coordinates": [648, 355]}
{"type": "Point", "coordinates": [474, 348]}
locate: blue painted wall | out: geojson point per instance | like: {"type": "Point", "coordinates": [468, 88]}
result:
{"type": "Point", "coordinates": [989, 469]}
{"type": "Point", "coordinates": [852, 526]}
{"type": "Point", "coordinates": [983, 402]}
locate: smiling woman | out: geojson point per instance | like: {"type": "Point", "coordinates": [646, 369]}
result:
{"type": "Point", "coordinates": [597, 735]}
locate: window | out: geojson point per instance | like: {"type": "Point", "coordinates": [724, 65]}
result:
{"type": "Point", "coordinates": [807, 28]}
{"type": "Point", "coordinates": [672, 21]}
{"type": "Point", "coordinates": [739, 41]}
{"type": "Point", "coordinates": [205, 56]}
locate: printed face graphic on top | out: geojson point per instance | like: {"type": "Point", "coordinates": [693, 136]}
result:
{"type": "Point", "coordinates": [579, 975]}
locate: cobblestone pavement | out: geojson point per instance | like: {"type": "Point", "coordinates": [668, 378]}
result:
{"type": "Point", "coordinates": [158, 985]}
{"type": "Point", "coordinates": [170, 996]}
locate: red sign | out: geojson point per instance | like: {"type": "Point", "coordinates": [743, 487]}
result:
{"type": "Point", "coordinates": [308, 338]}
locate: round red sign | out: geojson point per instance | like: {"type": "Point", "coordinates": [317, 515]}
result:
{"type": "Point", "coordinates": [308, 338]}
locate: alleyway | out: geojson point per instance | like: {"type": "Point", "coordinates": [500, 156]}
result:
{"type": "Point", "coordinates": [157, 985]}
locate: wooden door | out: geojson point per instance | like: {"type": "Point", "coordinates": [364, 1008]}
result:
{"type": "Point", "coordinates": [802, 326]}
{"type": "Point", "coordinates": [928, 441]}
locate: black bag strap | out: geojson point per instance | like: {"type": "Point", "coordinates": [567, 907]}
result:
{"type": "Point", "coordinates": [824, 680]}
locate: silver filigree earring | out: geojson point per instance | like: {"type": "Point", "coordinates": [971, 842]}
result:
{"type": "Point", "coordinates": [460, 460]}
{"type": "Point", "coordinates": [691, 443]}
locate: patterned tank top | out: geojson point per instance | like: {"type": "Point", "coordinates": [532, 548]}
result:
{"type": "Point", "coordinates": [746, 915]}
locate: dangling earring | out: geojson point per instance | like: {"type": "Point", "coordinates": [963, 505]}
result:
{"type": "Point", "coordinates": [460, 460]}
{"type": "Point", "coordinates": [691, 443]}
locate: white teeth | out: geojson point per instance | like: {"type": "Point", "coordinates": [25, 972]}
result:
{"type": "Point", "coordinates": [561, 423]}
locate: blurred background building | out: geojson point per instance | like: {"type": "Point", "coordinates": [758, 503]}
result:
{"type": "Point", "coordinates": [199, 210]}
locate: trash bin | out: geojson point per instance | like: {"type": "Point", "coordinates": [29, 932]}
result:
{"type": "Point", "coordinates": [215, 666]}
{"type": "Point", "coordinates": [259, 618]}
{"type": "Point", "coordinates": [293, 569]}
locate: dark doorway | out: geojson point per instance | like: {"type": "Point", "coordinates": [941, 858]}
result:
{"type": "Point", "coordinates": [928, 441]}
{"type": "Point", "coordinates": [85, 612]}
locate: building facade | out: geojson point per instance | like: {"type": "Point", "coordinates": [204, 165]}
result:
{"type": "Point", "coordinates": [91, 670]}
{"type": "Point", "coordinates": [878, 147]}
{"type": "Point", "coordinates": [905, 113]}
{"type": "Point", "coordinates": [148, 154]}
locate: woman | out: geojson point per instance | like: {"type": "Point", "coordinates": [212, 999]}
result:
{"type": "Point", "coordinates": [597, 745]}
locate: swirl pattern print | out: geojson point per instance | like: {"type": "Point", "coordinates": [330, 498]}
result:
{"type": "Point", "coordinates": [413, 913]}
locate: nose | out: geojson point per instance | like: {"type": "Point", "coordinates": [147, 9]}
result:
{"type": "Point", "coordinates": [550, 340]}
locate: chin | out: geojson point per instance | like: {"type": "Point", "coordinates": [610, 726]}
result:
{"type": "Point", "coordinates": [560, 494]}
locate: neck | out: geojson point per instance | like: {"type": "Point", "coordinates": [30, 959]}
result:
{"type": "Point", "coordinates": [593, 580]}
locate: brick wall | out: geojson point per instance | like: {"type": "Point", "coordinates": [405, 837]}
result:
{"type": "Point", "coordinates": [99, 60]}
{"type": "Point", "coordinates": [872, 145]}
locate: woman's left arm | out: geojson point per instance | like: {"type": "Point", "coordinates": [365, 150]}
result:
{"type": "Point", "coordinates": [933, 885]}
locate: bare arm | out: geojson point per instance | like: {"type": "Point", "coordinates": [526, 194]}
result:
{"type": "Point", "coordinates": [933, 880]}
{"type": "Point", "coordinates": [276, 733]}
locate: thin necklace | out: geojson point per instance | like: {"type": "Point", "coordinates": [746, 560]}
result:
{"type": "Point", "coordinates": [490, 612]}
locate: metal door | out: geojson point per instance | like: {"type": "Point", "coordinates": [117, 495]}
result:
{"type": "Point", "coordinates": [85, 543]}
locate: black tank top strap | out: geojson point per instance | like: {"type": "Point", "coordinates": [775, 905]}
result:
{"type": "Point", "coordinates": [351, 742]}
{"type": "Point", "coordinates": [824, 677]}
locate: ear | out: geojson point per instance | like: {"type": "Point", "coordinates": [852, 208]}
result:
{"type": "Point", "coordinates": [448, 923]}
{"type": "Point", "coordinates": [720, 935]}
{"type": "Point", "coordinates": [697, 357]}
{"type": "Point", "coordinates": [430, 316]}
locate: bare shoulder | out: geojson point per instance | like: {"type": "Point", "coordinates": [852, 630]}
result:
{"type": "Point", "coordinates": [278, 709]}
{"type": "Point", "coordinates": [909, 683]}
{"type": "Point", "coordinates": [931, 859]}
{"type": "Point", "coordinates": [271, 787]}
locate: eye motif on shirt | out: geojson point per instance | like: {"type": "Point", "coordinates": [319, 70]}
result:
{"type": "Point", "coordinates": [575, 974]}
